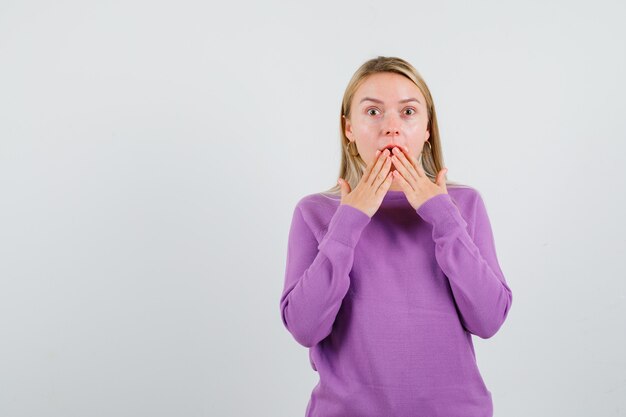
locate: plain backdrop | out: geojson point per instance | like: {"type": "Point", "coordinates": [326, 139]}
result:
{"type": "Point", "coordinates": [152, 153]}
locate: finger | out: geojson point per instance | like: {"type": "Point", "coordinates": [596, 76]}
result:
{"type": "Point", "coordinates": [387, 183]}
{"type": "Point", "coordinates": [379, 178]}
{"type": "Point", "coordinates": [401, 167]}
{"type": "Point", "coordinates": [376, 156]}
{"type": "Point", "coordinates": [420, 170]}
{"type": "Point", "coordinates": [416, 165]}
{"type": "Point", "coordinates": [382, 158]}
{"type": "Point", "coordinates": [406, 187]}
{"type": "Point", "coordinates": [404, 165]}
{"type": "Point", "coordinates": [369, 168]}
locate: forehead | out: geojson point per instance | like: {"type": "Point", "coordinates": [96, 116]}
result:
{"type": "Point", "coordinates": [388, 87]}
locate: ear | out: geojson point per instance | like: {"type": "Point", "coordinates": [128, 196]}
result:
{"type": "Point", "coordinates": [427, 135]}
{"type": "Point", "coordinates": [348, 127]}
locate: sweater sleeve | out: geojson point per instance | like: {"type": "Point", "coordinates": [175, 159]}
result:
{"type": "Point", "coordinates": [316, 275]}
{"type": "Point", "coordinates": [469, 262]}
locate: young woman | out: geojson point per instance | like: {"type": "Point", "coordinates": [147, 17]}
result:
{"type": "Point", "coordinates": [389, 273]}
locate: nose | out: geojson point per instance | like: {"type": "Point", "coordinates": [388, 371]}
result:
{"type": "Point", "coordinates": [391, 128]}
{"type": "Point", "coordinates": [392, 131]}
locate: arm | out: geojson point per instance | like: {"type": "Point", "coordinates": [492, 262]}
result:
{"type": "Point", "coordinates": [470, 263]}
{"type": "Point", "coordinates": [316, 276]}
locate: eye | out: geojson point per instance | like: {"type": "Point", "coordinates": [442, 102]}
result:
{"type": "Point", "coordinates": [411, 110]}
{"type": "Point", "coordinates": [370, 110]}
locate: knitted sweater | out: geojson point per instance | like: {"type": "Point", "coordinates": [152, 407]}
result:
{"type": "Point", "coordinates": [387, 304]}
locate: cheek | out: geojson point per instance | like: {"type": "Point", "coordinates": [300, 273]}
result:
{"type": "Point", "coordinates": [366, 124]}
{"type": "Point", "coordinates": [417, 128]}
{"type": "Point", "coordinates": [366, 130]}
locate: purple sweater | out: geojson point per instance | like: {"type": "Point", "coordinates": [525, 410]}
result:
{"type": "Point", "coordinates": [387, 304]}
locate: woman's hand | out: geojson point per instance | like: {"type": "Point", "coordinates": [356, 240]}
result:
{"type": "Point", "coordinates": [416, 185]}
{"type": "Point", "coordinates": [368, 195]}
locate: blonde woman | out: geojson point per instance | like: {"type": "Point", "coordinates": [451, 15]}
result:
{"type": "Point", "coordinates": [390, 272]}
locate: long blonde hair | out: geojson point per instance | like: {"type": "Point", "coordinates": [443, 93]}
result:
{"type": "Point", "coordinates": [353, 167]}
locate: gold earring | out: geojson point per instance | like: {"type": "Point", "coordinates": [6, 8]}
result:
{"type": "Point", "coordinates": [352, 150]}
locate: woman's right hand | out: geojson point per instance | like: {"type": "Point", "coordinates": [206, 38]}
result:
{"type": "Point", "coordinates": [368, 195]}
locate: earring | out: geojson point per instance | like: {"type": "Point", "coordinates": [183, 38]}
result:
{"type": "Point", "coordinates": [352, 150]}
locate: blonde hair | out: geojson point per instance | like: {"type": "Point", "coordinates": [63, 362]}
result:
{"type": "Point", "coordinates": [353, 167]}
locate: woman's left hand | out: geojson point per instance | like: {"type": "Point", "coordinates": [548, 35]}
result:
{"type": "Point", "coordinates": [416, 185]}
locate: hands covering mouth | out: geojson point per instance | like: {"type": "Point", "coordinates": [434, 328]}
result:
{"type": "Point", "coordinates": [379, 175]}
{"type": "Point", "coordinates": [390, 147]}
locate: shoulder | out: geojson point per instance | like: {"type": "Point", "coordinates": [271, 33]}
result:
{"type": "Point", "coordinates": [463, 194]}
{"type": "Point", "coordinates": [318, 203]}
{"type": "Point", "coordinates": [468, 199]}
{"type": "Point", "coordinates": [311, 201]}
{"type": "Point", "coordinates": [317, 209]}
{"type": "Point", "coordinates": [470, 202]}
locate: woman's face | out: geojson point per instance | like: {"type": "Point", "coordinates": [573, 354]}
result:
{"type": "Point", "coordinates": [387, 109]}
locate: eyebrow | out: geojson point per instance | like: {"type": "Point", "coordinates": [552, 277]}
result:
{"type": "Point", "coordinates": [406, 100]}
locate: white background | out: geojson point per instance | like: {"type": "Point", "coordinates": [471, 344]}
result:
{"type": "Point", "coordinates": [151, 154]}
